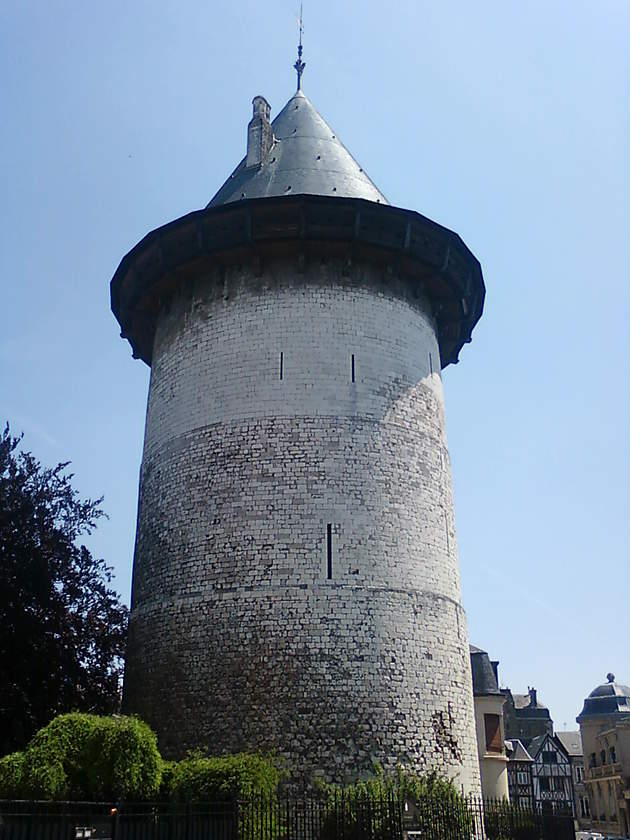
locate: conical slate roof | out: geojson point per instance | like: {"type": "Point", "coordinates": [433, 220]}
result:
{"type": "Point", "coordinates": [306, 158]}
{"type": "Point", "coordinates": [484, 677]}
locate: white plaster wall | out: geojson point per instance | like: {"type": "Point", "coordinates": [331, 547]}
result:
{"type": "Point", "coordinates": [494, 775]}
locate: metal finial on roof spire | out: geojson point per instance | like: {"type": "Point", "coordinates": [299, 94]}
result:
{"type": "Point", "coordinates": [299, 64]}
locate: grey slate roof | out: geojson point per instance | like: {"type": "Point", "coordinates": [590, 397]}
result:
{"type": "Point", "coordinates": [571, 741]}
{"type": "Point", "coordinates": [483, 676]}
{"type": "Point", "coordinates": [306, 157]}
{"type": "Point", "coordinates": [516, 751]}
{"type": "Point", "coordinates": [534, 744]}
{"type": "Point", "coordinates": [610, 689]}
{"type": "Point", "coordinates": [522, 701]}
{"type": "Point", "coordinates": [610, 698]}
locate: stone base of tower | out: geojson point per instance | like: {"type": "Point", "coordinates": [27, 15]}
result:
{"type": "Point", "coordinates": [331, 680]}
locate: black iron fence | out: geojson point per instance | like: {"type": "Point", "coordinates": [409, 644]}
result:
{"type": "Point", "coordinates": [499, 820]}
{"type": "Point", "coordinates": [309, 817]}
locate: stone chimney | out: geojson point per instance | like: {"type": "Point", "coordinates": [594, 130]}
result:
{"type": "Point", "coordinates": [533, 699]}
{"type": "Point", "coordinates": [259, 133]}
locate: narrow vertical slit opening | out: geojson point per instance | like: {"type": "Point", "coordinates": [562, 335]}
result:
{"type": "Point", "coordinates": [448, 542]}
{"type": "Point", "coordinates": [329, 550]}
{"type": "Point", "coordinates": [281, 368]}
{"type": "Point", "coordinates": [353, 367]}
{"type": "Point", "coordinates": [431, 364]}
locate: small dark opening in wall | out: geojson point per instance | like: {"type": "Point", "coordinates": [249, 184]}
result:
{"type": "Point", "coordinates": [431, 364]}
{"type": "Point", "coordinates": [329, 549]}
{"type": "Point", "coordinates": [353, 367]}
{"type": "Point", "coordinates": [281, 367]}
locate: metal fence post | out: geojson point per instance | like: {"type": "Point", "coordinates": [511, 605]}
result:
{"type": "Point", "coordinates": [235, 818]}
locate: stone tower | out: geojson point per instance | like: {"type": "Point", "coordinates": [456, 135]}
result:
{"type": "Point", "coordinates": [296, 581]}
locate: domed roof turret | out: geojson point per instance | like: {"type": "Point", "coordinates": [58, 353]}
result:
{"type": "Point", "coordinates": [609, 698]}
{"type": "Point", "coordinates": [298, 153]}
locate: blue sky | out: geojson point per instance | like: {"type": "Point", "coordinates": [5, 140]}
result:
{"type": "Point", "coordinates": [507, 122]}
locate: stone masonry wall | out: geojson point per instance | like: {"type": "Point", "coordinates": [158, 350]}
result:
{"type": "Point", "coordinates": [296, 582]}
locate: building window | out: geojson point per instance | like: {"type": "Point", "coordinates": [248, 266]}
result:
{"type": "Point", "coordinates": [579, 773]}
{"type": "Point", "coordinates": [613, 755]}
{"type": "Point", "coordinates": [492, 725]}
{"type": "Point", "coordinates": [603, 756]}
{"type": "Point", "coordinates": [593, 760]}
{"type": "Point", "coordinates": [522, 777]}
{"type": "Point", "coordinates": [551, 783]}
{"type": "Point", "coordinates": [549, 757]}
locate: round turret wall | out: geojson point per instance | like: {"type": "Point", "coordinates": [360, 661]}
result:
{"type": "Point", "coordinates": [296, 581]}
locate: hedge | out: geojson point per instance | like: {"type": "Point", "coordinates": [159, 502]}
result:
{"type": "Point", "coordinates": [87, 757]}
{"type": "Point", "coordinates": [11, 775]}
{"type": "Point", "coordinates": [81, 756]}
{"type": "Point", "coordinates": [200, 779]}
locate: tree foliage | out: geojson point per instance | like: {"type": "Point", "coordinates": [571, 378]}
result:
{"type": "Point", "coordinates": [62, 626]}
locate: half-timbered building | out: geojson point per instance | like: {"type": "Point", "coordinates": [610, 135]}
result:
{"type": "Point", "coordinates": [519, 774]}
{"type": "Point", "coordinates": [552, 781]}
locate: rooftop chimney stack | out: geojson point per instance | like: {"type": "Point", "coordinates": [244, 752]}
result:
{"type": "Point", "coordinates": [533, 699]}
{"type": "Point", "coordinates": [259, 133]}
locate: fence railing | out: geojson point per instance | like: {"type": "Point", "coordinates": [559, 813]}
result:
{"type": "Point", "coordinates": [309, 817]}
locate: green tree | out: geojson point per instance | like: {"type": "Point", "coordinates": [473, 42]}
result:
{"type": "Point", "coordinates": [62, 626]}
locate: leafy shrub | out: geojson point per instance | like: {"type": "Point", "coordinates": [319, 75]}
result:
{"type": "Point", "coordinates": [53, 759]}
{"type": "Point", "coordinates": [11, 775]}
{"type": "Point", "coordinates": [80, 756]}
{"type": "Point", "coordinates": [373, 808]}
{"type": "Point", "coordinates": [124, 760]}
{"type": "Point", "coordinates": [204, 779]}
{"type": "Point", "coordinates": [214, 781]}
{"type": "Point", "coordinates": [166, 781]}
